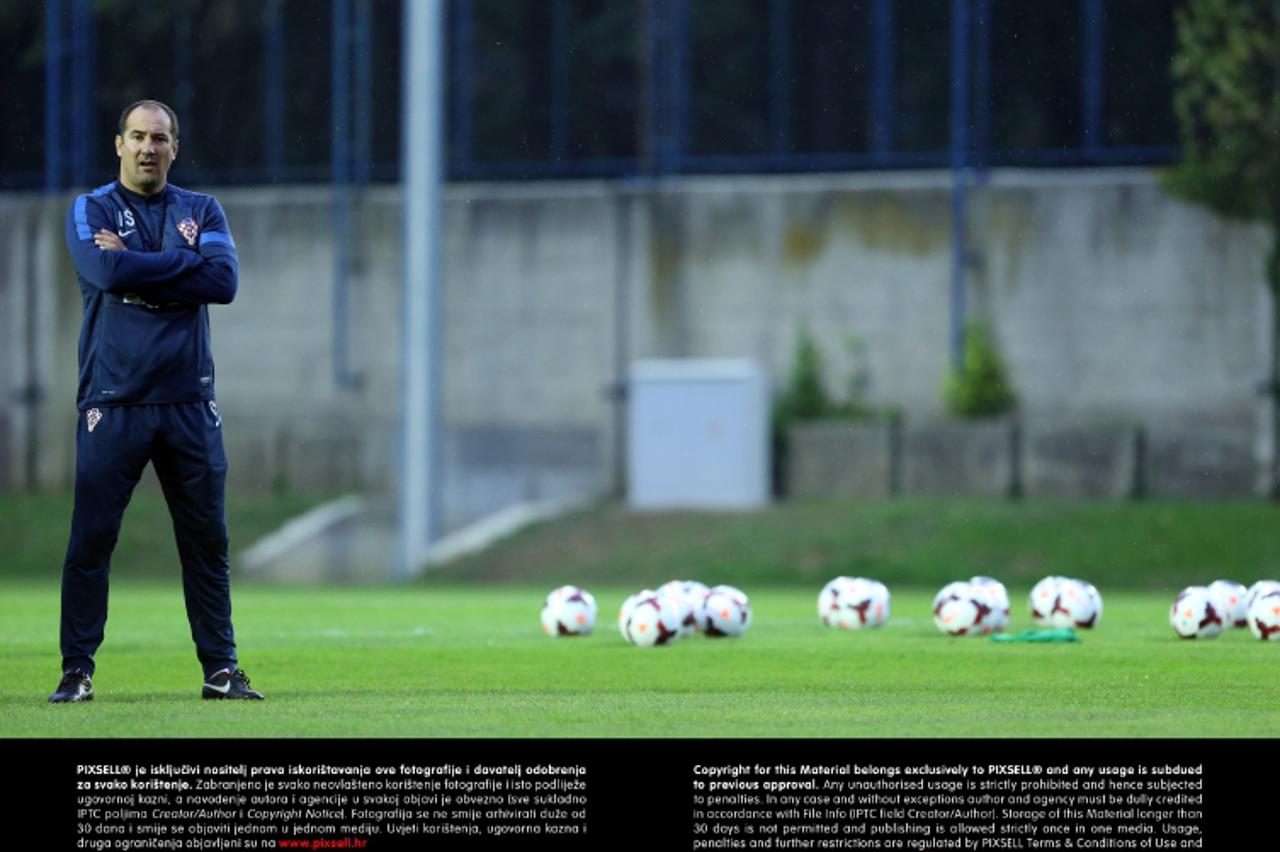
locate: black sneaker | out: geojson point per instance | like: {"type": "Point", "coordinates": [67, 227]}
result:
{"type": "Point", "coordinates": [74, 686]}
{"type": "Point", "coordinates": [230, 683]}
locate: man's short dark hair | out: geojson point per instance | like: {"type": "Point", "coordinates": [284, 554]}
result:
{"type": "Point", "coordinates": [150, 104]}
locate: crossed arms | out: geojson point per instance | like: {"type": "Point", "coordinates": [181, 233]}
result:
{"type": "Point", "coordinates": [206, 274]}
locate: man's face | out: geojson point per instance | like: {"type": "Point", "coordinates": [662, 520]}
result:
{"type": "Point", "coordinates": [146, 150]}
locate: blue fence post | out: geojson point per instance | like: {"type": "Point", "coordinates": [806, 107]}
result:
{"type": "Point", "coordinates": [340, 180]}
{"type": "Point", "coordinates": [340, 92]}
{"type": "Point", "coordinates": [882, 78]}
{"type": "Point", "coordinates": [53, 118]}
{"type": "Point", "coordinates": [559, 113]}
{"type": "Point", "coordinates": [980, 111]}
{"type": "Point", "coordinates": [667, 52]}
{"type": "Point", "coordinates": [463, 22]}
{"type": "Point", "coordinates": [651, 153]}
{"type": "Point", "coordinates": [1094, 18]}
{"type": "Point", "coordinates": [780, 76]}
{"type": "Point", "coordinates": [83, 121]}
{"type": "Point", "coordinates": [959, 162]}
{"type": "Point", "coordinates": [680, 95]}
{"type": "Point", "coordinates": [361, 113]}
{"type": "Point", "coordinates": [273, 91]}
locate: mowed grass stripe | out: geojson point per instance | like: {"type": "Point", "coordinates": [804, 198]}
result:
{"type": "Point", "coordinates": [431, 661]}
{"type": "Point", "coordinates": [1156, 545]}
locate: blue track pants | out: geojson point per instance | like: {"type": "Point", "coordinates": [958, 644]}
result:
{"type": "Point", "coordinates": [183, 441]}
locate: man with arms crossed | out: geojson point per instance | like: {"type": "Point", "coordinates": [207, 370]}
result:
{"type": "Point", "coordinates": [150, 259]}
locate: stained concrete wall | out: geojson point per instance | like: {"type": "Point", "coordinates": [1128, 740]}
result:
{"type": "Point", "coordinates": [1108, 298]}
{"type": "Point", "coordinates": [1111, 302]}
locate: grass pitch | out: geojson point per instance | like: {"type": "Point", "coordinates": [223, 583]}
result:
{"type": "Point", "coordinates": [453, 661]}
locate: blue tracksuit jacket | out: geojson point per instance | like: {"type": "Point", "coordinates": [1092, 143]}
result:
{"type": "Point", "coordinates": [145, 337]}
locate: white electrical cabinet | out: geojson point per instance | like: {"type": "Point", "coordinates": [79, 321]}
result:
{"type": "Point", "coordinates": [698, 435]}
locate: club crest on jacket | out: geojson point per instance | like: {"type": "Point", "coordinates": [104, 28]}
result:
{"type": "Point", "coordinates": [188, 228]}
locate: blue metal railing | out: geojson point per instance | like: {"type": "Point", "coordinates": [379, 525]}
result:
{"type": "Point", "coordinates": [666, 106]}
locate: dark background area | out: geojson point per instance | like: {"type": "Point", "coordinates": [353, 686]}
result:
{"type": "Point", "coordinates": [575, 88]}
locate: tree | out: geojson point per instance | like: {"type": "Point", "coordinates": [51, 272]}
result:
{"type": "Point", "coordinates": [1226, 74]}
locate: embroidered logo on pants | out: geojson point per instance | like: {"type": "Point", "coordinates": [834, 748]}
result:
{"type": "Point", "coordinates": [92, 417]}
{"type": "Point", "coordinates": [217, 418]}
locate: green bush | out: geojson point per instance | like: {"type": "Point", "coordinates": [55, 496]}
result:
{"type": "Point", "coordinates": [981, 387]}
{"type": "Point", "coordinates": [805, 396]}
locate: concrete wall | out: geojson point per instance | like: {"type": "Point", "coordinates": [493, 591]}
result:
{"type": "Point", "coordinates": [39, 322]}
{"type": "Point", "coordinates": [1108, 298]}
{"type": "Point", "coordinates": [1011, 456]}
{"type": "Point", "coordinates": [1111, 302]}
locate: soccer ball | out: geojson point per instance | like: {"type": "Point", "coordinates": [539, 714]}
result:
{"type": "Point", "coordinates": [831, 601]}
{"type": "Point", "coordinates": [697, 594]}
{"type": "Point", "coordinates": [1076, 607]}
{"type": "Point", "coordinates": [569, 611]}
{"type": "Point", "coordinates": [1065, 602]}
{"type": "Point", "coordinates": [629, 604]}
{"type": "Point", "coordinates": [959, 587]}
{"type": "Point", "coordinates": [1043, 599]}
{"type": "Point", "coordinates": [996, 596]}
{"type": "Point", "coordinates": [1228, 596]}
{"type": "Point", "coordinates": [1264, 616]}
{"type": "Point", "coordinates": [869, 599]}
{"type": "Point", "coordinates": [1194, 615]}
{"type": "Point", "coordinates": [685, 619]}
{"type": "Point", "coordinates": [852, 603]}
{"type": "Point", "coordinates": [727, 612]}
{"type": "Point", "coordinates": [650, 620]}
{"type": "Point", "coordinates": [688, 596]}
{"type": "Point", "coordinates": [962, 611]}
{"type": "Point", "coordinates": [1262, 587]}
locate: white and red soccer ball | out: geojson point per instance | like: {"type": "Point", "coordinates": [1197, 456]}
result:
{"type": "Point", "coordinates": [852, 603]}
{"type": "Point", "coordinates": [830, 600]}
{"type": "Point", "coordinates": [1262, 587]}
{"type": "Point", "coordinates": [726, 611]}
{"type": "Point", "coordinates": [628, 605]}
{"type": "Point", "coordinates": [956, 587]}
{"type": "Point", "coordinates": [689, 596]}
{"type": "Point", "coordinates": [1043, 600]}
{"type": "Point", "coordinates": [1264, 614]}
{"type": "Point", "coordinates": [1065, 602]}
{"type": "Point", "coordinates": [1195, 614]}
{"type": "Point", "coordinates": [569, 611]}
{"type": "Point", "coordinates": [1229, 597]}
{"type": "Point", "coordinates": [649, 619]}
{"type": "Point", "coordinates": [962, 609]}
{"type": "Point", "coordinates": [996, 596]}
{"type": "Point", "coordinates": [697, 594]}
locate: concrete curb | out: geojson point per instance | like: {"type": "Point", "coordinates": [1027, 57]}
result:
{"type": "Point", "coordinates": [297, 531]}
{"type": "Point", "coordinates": [485, 532]}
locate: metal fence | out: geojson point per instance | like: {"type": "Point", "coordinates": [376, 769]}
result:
{"type": "Point", "coordinates": [309, 91]}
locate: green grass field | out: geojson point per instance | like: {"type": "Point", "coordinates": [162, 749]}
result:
{"type": "Point", "coordinates": [461, 654]}
{"type": "Point", "coordinates": [473, 662]}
